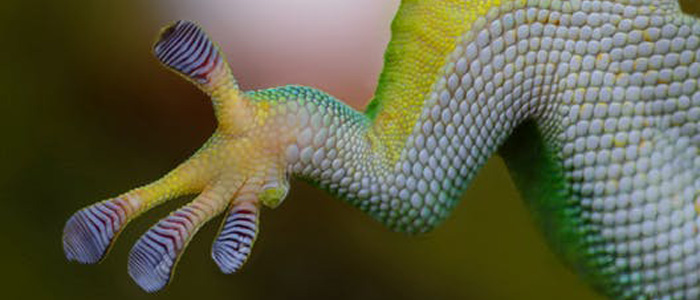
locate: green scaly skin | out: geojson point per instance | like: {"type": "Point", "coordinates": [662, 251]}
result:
{"type": "Point", "coordinates": [594, 105]}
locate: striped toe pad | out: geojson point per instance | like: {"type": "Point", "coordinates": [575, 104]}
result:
{"type": "Point", "coordinates": [89, 233]}
{"type": "Point", "coordinates": [154, 256]}
{"type": "Point", "coordinates": [238, 233]}
{"type": "Point", "coordinates": [186, 48]}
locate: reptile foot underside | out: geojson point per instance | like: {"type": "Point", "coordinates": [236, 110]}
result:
{"type": "Point", "coordinates": [593, 104]}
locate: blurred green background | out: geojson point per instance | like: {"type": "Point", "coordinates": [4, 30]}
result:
{"type": "Point", "coordinates": [88, 113]}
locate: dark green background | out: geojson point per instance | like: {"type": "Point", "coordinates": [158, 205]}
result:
{"type": "Point", "coordinates": [87, 113]}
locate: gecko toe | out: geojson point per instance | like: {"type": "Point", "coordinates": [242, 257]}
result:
{"type": "Point", "coordinates": [235, 240]}
{"type": "Point", "coordinates": [90, 232]}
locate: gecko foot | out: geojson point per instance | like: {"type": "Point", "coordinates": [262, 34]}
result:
{"type": "Point", "coordinates": [239, 169]}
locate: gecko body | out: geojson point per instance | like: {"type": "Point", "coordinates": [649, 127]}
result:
{"type": "Point", "coordinates": [594, 106]}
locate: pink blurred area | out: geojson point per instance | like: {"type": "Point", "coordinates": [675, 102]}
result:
{"type": "Point", "coordinates": [334, 45]}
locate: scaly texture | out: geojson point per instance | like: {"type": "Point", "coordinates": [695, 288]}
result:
{"type": "Point", "coordinates": [594, 105]}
